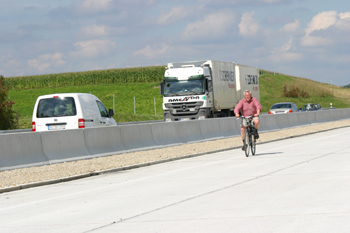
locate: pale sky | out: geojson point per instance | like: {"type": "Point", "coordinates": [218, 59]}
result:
{"type": "Point", "coordinates": [304, 38]}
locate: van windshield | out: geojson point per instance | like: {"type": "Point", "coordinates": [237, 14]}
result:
{"type": "Point", "coordinates": [54, 107]}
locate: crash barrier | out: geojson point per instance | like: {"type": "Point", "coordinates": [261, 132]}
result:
{"type": "Point", "coordinates": [104, 141]}
{"type": "Point", "coordinates": [164, 134]}
{"type": "Point", "coordinates": [67, 145]}
{"type": "Point", "coordinates": [210, 129]}
{"type": "Point", "coordinates": [229, 126]}
{"type": "Point", "coordinates": [21, 150]}
{"type": "Point", "coordinates": [26, 149]}
{"type": "Point", "coordinates": [135, 137]}
{"type": "Point", "coordinates": [188, 131]}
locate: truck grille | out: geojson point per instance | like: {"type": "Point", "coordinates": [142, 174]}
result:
{"type": "Point", "coordinates": [184, 108]}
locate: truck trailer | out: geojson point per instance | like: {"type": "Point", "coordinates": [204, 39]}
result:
{"type": "Point", "coordinates": [205, 89]}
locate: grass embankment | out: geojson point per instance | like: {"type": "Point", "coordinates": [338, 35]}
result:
{"type": "Point", "coordinates": [143, 84]}
{"type": "Point", "coordinates": [272, 91]}
{"type": "Point", "coordinates": [144, 94]}
{"type": "Point", "coordinates": [125, 84]}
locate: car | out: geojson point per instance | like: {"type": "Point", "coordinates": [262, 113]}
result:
{"type": "Point", "coordinates": [310, 107]}
{"type": "Point", "coordinates": [285, 107]}
{"type": "Point", "coordinates": [70, 111]}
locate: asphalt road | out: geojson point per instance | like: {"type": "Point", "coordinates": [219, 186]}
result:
{"type": "Point", "coordinates": [294, 185]}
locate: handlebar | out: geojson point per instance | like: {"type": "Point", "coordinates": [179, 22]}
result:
{"type": "Point", "coordinates": [246, 117]}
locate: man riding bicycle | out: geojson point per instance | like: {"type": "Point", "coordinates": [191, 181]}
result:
{"type": "Point", "coordinates": [249, 106]}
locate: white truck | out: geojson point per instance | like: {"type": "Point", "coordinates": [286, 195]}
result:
{"type": "Point", "coordinates": [205, 89]}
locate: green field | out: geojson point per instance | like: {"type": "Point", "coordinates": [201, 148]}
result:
{"type": "Point", "coordinates": [142, 83]}
{"type": "Point", "coordinates": [144, 93]}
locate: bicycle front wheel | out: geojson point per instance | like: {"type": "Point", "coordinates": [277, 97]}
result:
{"type": "Point", "coordinates": [253, 145]}
{"type": "Point", "coordinates": [246, 143]}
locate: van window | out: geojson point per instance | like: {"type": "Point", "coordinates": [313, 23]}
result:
{"type": "Point", "coordinates": [102, 108]}
{"type": "Point", "coordinates": [53, 107]}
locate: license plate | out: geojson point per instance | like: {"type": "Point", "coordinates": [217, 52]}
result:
{"type": "Point", "coordinates": [56, 127]}
{"type": "Point", "coordinates": [184, 119]}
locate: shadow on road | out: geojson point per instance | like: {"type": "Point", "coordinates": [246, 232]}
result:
{"type": "Point", "coordinates": [269, 153]}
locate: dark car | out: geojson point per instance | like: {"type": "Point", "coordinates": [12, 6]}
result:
{"type": "Point", "coordinates": [311, 107]}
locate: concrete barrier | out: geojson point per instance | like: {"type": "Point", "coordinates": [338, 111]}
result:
{"type": "Point", "coordinates": [302, 118]}
{"type": "Point", "coordinates": [137, 137]}
{"type": "Point", "coordinates": [282, 120]}
{"type": "Point", "coordinates": [164, 134]}
{"type": "Point", "coordinates": [31, 149]}
{"type": "Point", "coordinates": [230, 126]}
{"type": "Point", "coordinates": [322, 116]}
{"type": "Point", "coordinates": [340, 114]}
{"type": "Point", "coordinates": [268, 123]}
{"type": "Point", "coordinates": [344, 114]}
{"type": "Point", "coordinates": [293, 119]}
{"type": "Point", "coordinates": [64, 145]}
{"type": "Point", "coordinates": [20, 150]}
{"type": "Point", "coordinates": [210, 129]}
{"type": "Point", "coordinates": [188, 131]}
{"type": "Point", "coordinates": [103, 141]}
{"type": "Point", "coordinates": [336, 114]}
{"type": "Point", "coordinates": [311, 117]}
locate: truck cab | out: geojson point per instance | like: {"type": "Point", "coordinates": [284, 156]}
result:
{"type": "Point", "coordinates": [186, 93]}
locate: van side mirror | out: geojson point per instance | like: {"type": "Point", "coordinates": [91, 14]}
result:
{"type": "Point", "coordinates": [110, 112]}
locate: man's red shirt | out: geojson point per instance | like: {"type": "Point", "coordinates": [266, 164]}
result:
{"type": "Point", "coordinates": [248, 108]}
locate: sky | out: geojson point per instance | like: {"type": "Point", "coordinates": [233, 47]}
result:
{"type": "Point", "coordinates": [302, 38]}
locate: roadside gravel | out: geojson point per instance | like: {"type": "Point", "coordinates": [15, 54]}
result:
{"type": "Point", "coordinates": [30, 175]}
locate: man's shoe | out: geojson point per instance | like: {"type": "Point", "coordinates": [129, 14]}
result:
{"type": "Point", "coordinates": [256, 135]}
{"type": "Point", "coordinates": [243, 147]}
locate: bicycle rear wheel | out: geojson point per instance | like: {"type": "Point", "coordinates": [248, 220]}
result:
{"type": "Point", "coordinates": [246, 143]}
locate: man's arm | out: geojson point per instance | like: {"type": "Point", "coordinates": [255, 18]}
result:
{"type": "Point", "coordinates": [237, 108]}
{"type": "Point", "coordinates": [258, 107]}
{"type": "Point", "coordinates": [257, 113]}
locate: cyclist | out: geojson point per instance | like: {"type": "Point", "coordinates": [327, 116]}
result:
{"type": "Point", "coordinates": [247, 107]}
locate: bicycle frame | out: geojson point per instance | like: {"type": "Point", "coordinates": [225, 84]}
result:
{"type": "Point", "coordinates": [249, 140]}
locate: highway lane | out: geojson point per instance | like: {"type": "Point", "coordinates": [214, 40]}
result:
{"type": "Point", "coordinates": [293, 185]}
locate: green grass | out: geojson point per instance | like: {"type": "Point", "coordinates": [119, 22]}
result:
{"type": "Point", "coordinates": [145, 89]}
{"type": "Point", "coordinates": [271, 91]}
{"type": "Point", "coordinates": [144, 94]}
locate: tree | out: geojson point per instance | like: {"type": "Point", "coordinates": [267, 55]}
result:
{"type": "Point", "coordinates": [8, 117]}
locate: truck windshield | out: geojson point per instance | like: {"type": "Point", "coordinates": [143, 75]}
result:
{"type": "Point", "coordinates": [53, 107]}
{"type": "Point", "coordinates": [184, 87]}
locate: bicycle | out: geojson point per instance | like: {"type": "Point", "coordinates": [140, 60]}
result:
{"type": "Point", "coordinates": [249, 139]}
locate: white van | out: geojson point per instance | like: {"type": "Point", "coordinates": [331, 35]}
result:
{"type": "Point", "coordinates": [70, 111]}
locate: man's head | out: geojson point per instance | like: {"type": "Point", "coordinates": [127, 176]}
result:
{"type": "Point", "coordinates": [247, 95]}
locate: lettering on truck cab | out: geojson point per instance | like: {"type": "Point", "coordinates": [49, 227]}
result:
{"type": "Point", "coordinates": [184, 99]}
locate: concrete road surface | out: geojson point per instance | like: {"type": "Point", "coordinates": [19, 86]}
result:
{"type": "Point", "coordinates": [293, 185]}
